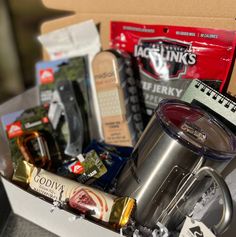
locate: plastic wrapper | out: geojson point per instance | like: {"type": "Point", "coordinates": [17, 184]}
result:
{"type": "Point", "coordinates": [83, 167]}
{"type": "Point", "coordinates": [78, 40]}
{"type": "Point", "coordinates": [121, 117]}
{"type": "Point", "coordinates": [21, 102]}
{"type": "Point", "coordinates": [84, 199]}
{"type": "Point", "coordinates": [30, 137]}
{"type": "Point", "coordinates": [114, 158]}
{"type": "Point", "coordinates": [167, 54]}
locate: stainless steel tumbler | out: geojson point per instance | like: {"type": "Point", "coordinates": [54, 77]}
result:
{"type": "Point", "coordinates": [178, 142]}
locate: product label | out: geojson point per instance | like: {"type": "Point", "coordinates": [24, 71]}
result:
{"type": "Point", "coordinates": [14, 129]}
{"type": "Point", "coordinates": [116, 131]}
{"type": "Point", "coordinates": [30, 136]}
{"type": "Point", "coordinates": [76, 168]}
{"type": "Point", "coordinates": [117, 96]}
{"type": "Point", "coordinates": [169, 57]}
{"type": "Point", "coordinates": [46, 76]}
{"type": "Point", "coordinates": [83, 198]}
{"type": "Point", "coordinates": [154, 91]}
{"type": "Point", "coordinates": [105, 79]}
{"type": "Point", "coordinates": [94, 166]}
{"type": "Point", "coordinates": [194, 228]}
{"type": "Point", "coordinates": [163, 58]}
{"type": "Point", "coordinates": [49, 185]}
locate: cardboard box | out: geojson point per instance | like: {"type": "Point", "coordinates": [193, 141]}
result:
{"type": "Point", "coordinates": [215, 14]}
{"type": "Point", "coordinates": [231, 90]}
{"type": "Point", "coordinates": [220, 14]}
{"type": "Point", "coordinates": [59, 222]}
{"type": "Point", "coordinates": [38, 211]}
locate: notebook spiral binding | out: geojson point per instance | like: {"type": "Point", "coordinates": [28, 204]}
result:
{"type": "Point", "coordinates": [211, 98]}
{"type": "Point", "coordinates": [211, 92]}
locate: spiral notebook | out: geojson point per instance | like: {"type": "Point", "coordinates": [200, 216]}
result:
{"type": "Point", "coordinates": [214, 102]}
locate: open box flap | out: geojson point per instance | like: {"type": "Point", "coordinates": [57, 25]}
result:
{"type": "Point", "coordinates": [103, 20]}
{"type": "Point", "coordinates": [211, 8]}
{"type": "Point", "coordinates": [212, 14]}
{"type": "Point", "coordinates": [232, 84]}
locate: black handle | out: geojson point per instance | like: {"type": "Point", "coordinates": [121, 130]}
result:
{"type": "Point", "coordinates": [73, 117]}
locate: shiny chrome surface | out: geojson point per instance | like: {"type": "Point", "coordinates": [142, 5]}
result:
{"type": "Point", "coordinates": [168, 215]}
{"type": "Point", "coordinates": [227, 213]}
{"type": "Point", "coordinates": [159, 167]}
{"type": "Point", "coordinates": [161, 161]}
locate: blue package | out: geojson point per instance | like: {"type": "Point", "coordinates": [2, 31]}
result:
{"type": "Point", "coordinates": [114, 158]}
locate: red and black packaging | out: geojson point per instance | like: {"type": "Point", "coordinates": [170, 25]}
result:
{"type": "Point", "coordinates": [169, 57]}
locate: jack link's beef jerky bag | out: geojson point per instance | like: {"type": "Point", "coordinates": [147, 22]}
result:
{"type": "Point", "coordinates": [168, 56]}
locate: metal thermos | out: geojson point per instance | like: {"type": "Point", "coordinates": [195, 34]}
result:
{"type": "Point", "coordinates": [180, 146]}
